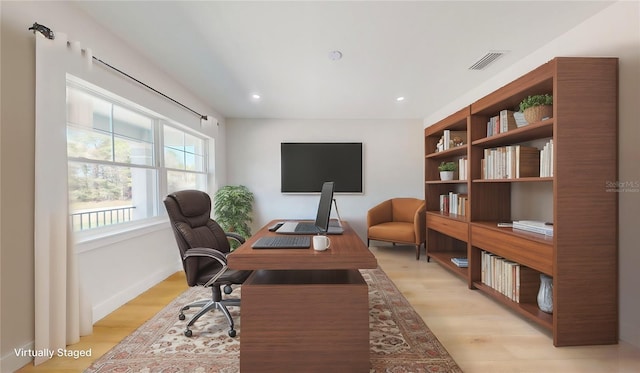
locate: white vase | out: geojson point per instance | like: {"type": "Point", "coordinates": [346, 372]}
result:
{"type": "Point", "coordinates": [545, 294]}
{"type": "Point", "coordinates": [446, 175]}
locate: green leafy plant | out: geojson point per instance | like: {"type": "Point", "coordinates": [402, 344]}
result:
{"type": "Point", "coordinates": [536, 100]}
{"type": "Point", "coordinates": [232, 207]}
{"type": "Point", "coordinates": [447, 166]}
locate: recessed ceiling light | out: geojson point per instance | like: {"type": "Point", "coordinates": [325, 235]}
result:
{"type": "Point", "coordinates": [255, 96]}
{"type": "Point", "coordinates": [335, 55]}
{"type": "Point", "coordinates": [401, 98]}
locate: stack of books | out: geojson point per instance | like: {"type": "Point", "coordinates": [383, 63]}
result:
{"type": "Point", "coordinates": [463, 164]}
{"type": "Point", "coordinates": [509, 278]}
{"type": "Point", "coordinates": [511, 162]}
{"type": "Point", "coordinates": [534, 226]}
{"type": "Point", "coordinates": [505, 121]}
{"type": "Point", "coordinates": [546, 160]}
{"type": "Point", "coordinates": [460, 262]}
{"type": "Point", "coordinates": [454, 203]}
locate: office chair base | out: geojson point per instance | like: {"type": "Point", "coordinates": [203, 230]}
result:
{"type": "Point", "coordinates": [210, 305]}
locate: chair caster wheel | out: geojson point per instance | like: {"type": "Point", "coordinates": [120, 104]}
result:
{"type": "Point", "coordinates": [188, 333]}
{"type": "Point", "coordinates": [228, 289]}
{"type": "Point", "coordinates": [232, 333]}
{"type": "Point", "coordinates": [181, 316]}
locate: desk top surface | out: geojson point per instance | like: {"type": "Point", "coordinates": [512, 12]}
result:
{"type": "Point", "coordinates": [347, 251]}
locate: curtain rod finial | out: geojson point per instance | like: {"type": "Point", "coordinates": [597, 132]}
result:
{"type": "Point", "coordinates": [44, 30]}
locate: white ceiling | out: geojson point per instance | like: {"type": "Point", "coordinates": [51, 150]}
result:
{"type": "Point", "coordinates": [224, 51]}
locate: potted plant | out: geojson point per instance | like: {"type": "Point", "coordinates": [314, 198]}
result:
{"type": "Point", "coordinates": [537, 107]}
{"type": "Point", "coordinates": [446, 170]}
{"type": "Point", "coordinates": [232, 208]}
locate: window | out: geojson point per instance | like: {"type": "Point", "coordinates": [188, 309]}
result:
{"type": "Point", "coordinates": [122, 159]}
{"type": "Point", "coordinates": [185, 160]}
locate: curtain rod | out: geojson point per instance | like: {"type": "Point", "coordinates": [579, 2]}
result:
{"type": "Point", "coordinates": [49, 34]}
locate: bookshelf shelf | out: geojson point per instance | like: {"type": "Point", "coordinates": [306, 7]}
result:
{"type": "Point", "coordinates": [528, 310]}
{"type": "Point", "coordinates": [516, 180]}
{"type": "Point", "coordinates": [446, 182]}
{"type": "Point", "coordinates": [541, 238]}
{"type": "Point", "coordinates": [453, 152]}
{"type": "Point", "coordinates": [529, 132]}
{"type": "Point", "coordinates": [584, 237]}
{"type": "Point", "coordinates": [461, 218]}
{"type": "Point", "coordinates": [444, 259]}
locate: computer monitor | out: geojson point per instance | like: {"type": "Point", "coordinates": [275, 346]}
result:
{"type": "Point", "coordinates": [321, 225]}
{"type": "Point", "coordinates": [324, 206]}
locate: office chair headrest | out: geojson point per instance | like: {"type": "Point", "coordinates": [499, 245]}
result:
{"type": "Point", "coordinates": [193, 203]}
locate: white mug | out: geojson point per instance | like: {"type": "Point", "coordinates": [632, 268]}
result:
{"type": "Point", "coordinates": [321, 243]}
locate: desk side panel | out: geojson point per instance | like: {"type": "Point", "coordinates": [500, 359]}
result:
{"type": "Point", "coordinates": [305, 322]}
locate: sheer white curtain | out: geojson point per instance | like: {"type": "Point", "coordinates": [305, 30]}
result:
{"type": "Point", "coordinates": [62, 313]}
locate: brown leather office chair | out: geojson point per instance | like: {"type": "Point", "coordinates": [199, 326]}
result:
{"type": "Point", "coordinates": [398, 220]}
{"type": "Point", "coordinates": [203, 249]}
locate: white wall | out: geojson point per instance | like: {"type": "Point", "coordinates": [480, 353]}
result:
{"type": "Point", "coordinates": [113, 271]}
{"type": "Point", "coordinates": [613, 32]}
{"type": "Point", "coordinates": [392, 164]}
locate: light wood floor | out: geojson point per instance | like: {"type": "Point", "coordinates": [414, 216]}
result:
{"type": "Point", "coordinates": [481, 335]}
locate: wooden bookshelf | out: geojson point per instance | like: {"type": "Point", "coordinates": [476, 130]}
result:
{"type": "Point", "coordinates": [447, 234]}
{"type": "Point", "coordinates": [582, 254]}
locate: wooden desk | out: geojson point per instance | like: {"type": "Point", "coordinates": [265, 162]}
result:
{"type": "Point", "coordinates": [302, 310]}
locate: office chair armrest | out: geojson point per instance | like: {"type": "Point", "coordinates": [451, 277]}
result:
{"type": "Point", "coordinates": [235, 236]}
{"type": "Point", "coordinates": [208, 253]}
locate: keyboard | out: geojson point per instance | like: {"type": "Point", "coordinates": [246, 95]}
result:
{"type": "Point", "coordinates": [307, 228]}
{"type": "Point", "coordinates": [283, 242]}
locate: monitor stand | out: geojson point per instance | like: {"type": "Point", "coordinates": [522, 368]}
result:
{"type": "Point", "coordinates": [339, 223]}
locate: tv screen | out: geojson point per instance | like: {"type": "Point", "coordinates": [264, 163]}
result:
{"type": "Point", "coordinates": [305, 166]}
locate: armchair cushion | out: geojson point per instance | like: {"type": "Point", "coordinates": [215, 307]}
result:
{"type": "Point", "coordinates": [393, 231]}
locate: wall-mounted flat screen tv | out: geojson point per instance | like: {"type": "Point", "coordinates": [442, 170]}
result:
{"type": "Point", "coordinates": [305, 166]}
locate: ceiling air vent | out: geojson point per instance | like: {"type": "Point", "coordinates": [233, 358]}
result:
{"type": "Point", "coordinates": [486, 60]}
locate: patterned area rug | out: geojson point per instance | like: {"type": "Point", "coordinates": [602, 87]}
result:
{"type": "Point", "coordinates": [399, 339]}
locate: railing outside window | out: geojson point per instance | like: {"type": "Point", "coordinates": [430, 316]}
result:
{"type": "Point", "coordinates": [94, 218]}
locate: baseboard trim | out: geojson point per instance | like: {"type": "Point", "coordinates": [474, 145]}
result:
{"type": "Point", "coordinates": [12, 361]}
{"type": "Point", "coordinates": [106, 307]}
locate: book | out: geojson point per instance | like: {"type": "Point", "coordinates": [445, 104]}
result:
{"type": "Point", "coordinates": [507, 121]}
{"type": "Point", "coordinates": [462, 168]}
{"type": "Point", "coordinates": [447, 139]}
{"type": "Point", "coordinates": [534, 226]}
{"type": "Point", "coordinates": [519, 117]}
{"type": "Point", "coordinates": [546, 160]}
{"type": "Point", "coordinates": [444, 203]}
{"type": "Point", "coordinates": [460, 262]}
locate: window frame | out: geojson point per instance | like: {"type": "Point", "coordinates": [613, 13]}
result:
{"type": "Point", "coordinates": [120, 231]}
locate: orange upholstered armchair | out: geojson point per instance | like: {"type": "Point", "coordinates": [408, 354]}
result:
{"type": "Point", "coordinates": [398, 220]}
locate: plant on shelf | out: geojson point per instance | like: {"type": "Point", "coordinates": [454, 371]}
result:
{"type": "Point", "coordinates": [232, 207]}
{"type": "Point", "coordinates": [446, 170]}
{"type": "Point", "coordinates": [537, 107]}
